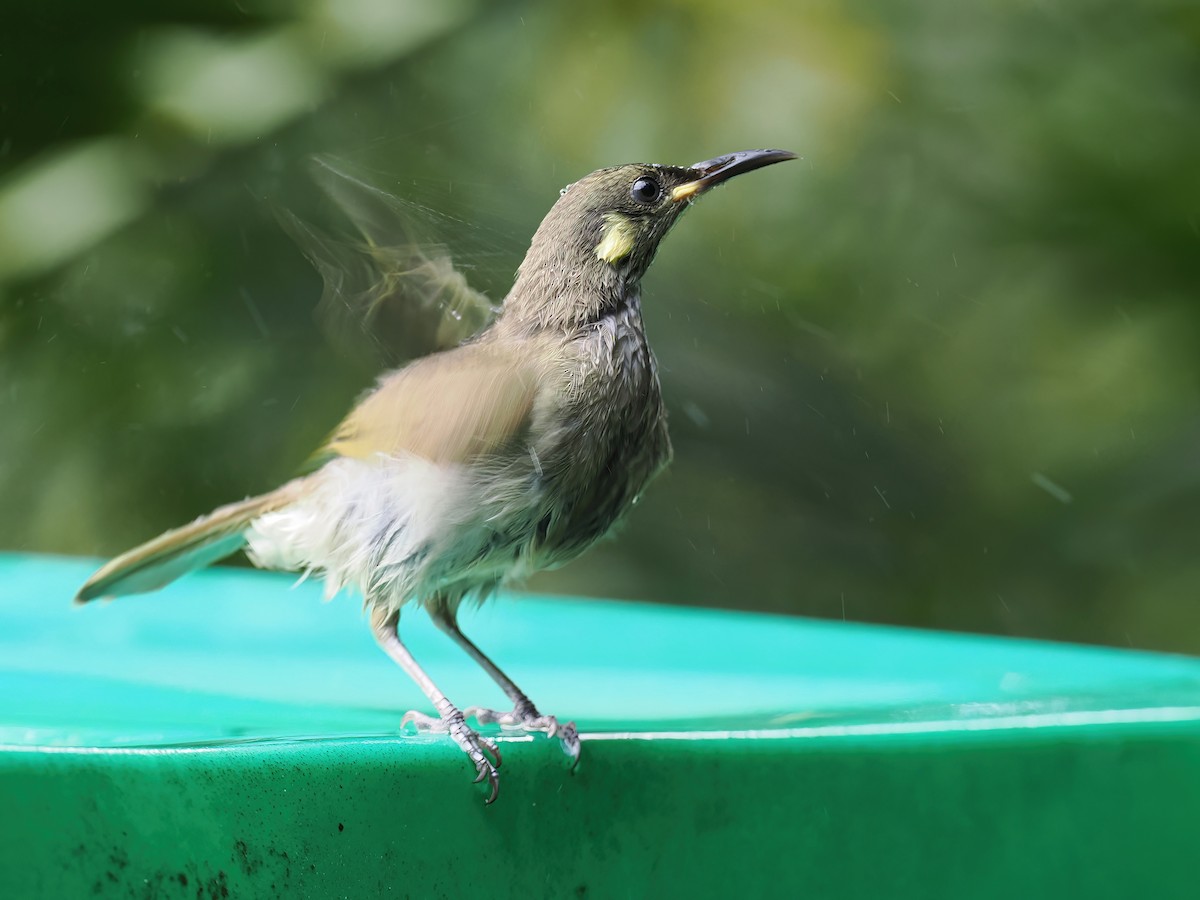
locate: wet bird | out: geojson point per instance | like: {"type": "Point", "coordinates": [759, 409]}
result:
{"type": "Point", "coordinates": [512, 452]}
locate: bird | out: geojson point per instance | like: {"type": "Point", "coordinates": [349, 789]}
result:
{"type": "Point", "coordinates": [478, 464]}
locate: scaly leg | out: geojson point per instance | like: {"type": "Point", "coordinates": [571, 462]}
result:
{"type": "Point", "coordinates": [483, 753]}
{"type": "Point", "coordinates": [524, 714]}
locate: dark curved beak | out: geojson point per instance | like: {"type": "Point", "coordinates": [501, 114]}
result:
{"type": "Point", "coordinates": [711, 172]}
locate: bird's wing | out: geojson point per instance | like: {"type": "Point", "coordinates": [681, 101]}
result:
{"type": "Point", "coordinates": [389, 289]}
{"type": "Point", "coordinates": [452, 407]}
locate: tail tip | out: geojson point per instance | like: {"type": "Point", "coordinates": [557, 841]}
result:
{"type": "Point", "coordinates": [86, 595]}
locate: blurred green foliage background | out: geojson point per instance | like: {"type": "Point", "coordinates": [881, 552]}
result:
{"type": "Point", "coordinates": [941, 372]}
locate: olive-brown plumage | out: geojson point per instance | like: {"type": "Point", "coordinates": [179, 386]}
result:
{"type": "Point", "coordinates": [512, 452]}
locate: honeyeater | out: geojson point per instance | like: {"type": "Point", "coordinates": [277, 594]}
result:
{"type": "Point", "coordinates": [512, 452]}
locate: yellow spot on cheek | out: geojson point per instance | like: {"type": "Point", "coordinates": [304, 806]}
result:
{"type": "Point", "coordinates": [617, 238]}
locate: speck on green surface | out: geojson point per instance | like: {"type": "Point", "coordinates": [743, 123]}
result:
{"type": "Point", "coordinates": [234, 736]}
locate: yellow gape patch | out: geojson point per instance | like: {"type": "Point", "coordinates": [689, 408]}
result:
{"type": "Point", "coordinates": [617, 238]}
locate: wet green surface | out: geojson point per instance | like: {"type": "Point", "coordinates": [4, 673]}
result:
{"type": "Point", "coordinates": [234, 736]}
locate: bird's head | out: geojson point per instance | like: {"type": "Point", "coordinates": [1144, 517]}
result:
{"type": "Point", "coordinates": [600, 237]}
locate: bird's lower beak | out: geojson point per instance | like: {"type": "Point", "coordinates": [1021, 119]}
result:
{"type": "Point", "coordinates": [712, 172]}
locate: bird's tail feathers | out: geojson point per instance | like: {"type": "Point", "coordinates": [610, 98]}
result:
{"type": "Point", "coordinates": [160, 561]}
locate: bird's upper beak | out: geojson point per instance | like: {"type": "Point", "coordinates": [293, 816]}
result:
{"type": "Point", "coordinates": [712, 172]}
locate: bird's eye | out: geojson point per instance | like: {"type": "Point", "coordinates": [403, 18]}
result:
{"type": "Point", "coordinates": [646, 190]}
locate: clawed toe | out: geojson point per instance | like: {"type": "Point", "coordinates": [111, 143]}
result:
{"type": "Point", "coordinates": [424, 724]}
{"type": "Point", "coordinates": [569, 736]}
{"type": "Point", "coordinates": [529, 720]}
{"type": "Point", "coordinates": [487, 769]}
{"type": "Point", "coordinates": [484, 754]}
{"type": "Point", "coordinates": [486, 716]}
{"type": "Point", "coordinates": [490, 749]}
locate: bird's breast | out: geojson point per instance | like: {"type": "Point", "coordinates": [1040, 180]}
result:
{"type": "Point", "coordinates": [607, 437]}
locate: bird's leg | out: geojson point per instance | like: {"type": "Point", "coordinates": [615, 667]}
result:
{"type": "Point", "coordinates": [483, 753]}
{"type": "Point", "coordinates": [524, 715]}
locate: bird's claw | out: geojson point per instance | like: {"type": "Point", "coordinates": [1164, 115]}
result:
{"type": "Point", "coordinates": [424, 724]}
{"type": "Point", "coordinates": [484, 753]}
{"type": "Point", "coordinates": [528, 719]}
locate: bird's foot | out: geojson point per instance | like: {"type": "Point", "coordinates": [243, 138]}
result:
{"type": "Point", "coordinates": [484, 754]}
{"type": "Point", "coordinates": [424, 724]}
{"type": "Point", "coordinates": [525, 717]}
